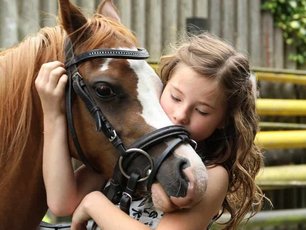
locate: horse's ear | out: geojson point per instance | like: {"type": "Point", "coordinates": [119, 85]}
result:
{"type": "Point", "coordinates": [108, 9]}
{"type": "Point", "coordinates": [70, 16]}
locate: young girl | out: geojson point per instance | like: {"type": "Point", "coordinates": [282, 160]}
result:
{"type": "Point", "coordinates": [208, 90]}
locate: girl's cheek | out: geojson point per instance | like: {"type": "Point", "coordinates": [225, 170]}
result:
{"type": "Point", "coordinates": [163, 103]}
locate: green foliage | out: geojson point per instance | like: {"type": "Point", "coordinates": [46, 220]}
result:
{"type": "Point", "coordinates": [290, 16]}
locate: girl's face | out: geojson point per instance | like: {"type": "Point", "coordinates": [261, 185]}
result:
{"type": "Point", "coordinates": [194, 101]}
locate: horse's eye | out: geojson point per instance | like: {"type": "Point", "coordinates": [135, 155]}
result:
{"type": "Point", "coordinates": [104, 91]}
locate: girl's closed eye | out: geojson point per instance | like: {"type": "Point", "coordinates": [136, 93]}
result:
{"type": "Point", "coordinates": [175, 98]}
{"type": "Point", "coordinates": [201, 112]}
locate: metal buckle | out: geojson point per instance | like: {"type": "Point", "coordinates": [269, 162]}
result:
{"type": "Point", "coordinates": [194, 144]}
{"type": "Point", "coordinates": [141, 152]}
{"type": "Point", "coordinates": [113, 136]}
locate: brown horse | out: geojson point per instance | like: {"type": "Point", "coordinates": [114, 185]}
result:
{"type": "Point", "coordinates": [126, 90]}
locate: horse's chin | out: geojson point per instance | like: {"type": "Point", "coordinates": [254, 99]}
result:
{"type": "Point", "coordinates": [184, 192]}
{"type": "Point", "coordinates": [167, 203]}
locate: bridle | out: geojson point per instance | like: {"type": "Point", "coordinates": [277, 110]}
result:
{"type": "Point", "coordinates": [122, 185]}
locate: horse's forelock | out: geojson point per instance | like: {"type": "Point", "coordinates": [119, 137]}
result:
{"type": "Point", "coordinates": [103, 31]}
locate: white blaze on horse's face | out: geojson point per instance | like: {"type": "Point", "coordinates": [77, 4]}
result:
{"type": "Point", "coordinates": [149, 89]}
{"type": "Point", "coordinates": [106, 64]}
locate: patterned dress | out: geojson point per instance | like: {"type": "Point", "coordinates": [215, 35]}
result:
{"type": "Point", "coordinates": [144, 211]}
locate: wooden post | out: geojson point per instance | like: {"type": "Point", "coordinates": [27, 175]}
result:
{"type": "Point", "coordinates": [48, 13]}
{"type": "Point", "coordinates": [154, 30]}
{"type": "Point", "coordinates": [242, 27]}
{"type": "Point", "coordinates": [215, 17]}
{"type": "Point", "coordinates": [279, 49]}
{"type": "Point", "coordinates": [184, 11]}
{"type": "Point", "coordinates": [255, 43]}
{"type": "Point", "coordinates": [125, 10]}
{"type": "Point", "coordinates": [229, 26]}
{"type": "Point", "coordinates": [200, 8]}
{"type": "Point", "coordinates": [169, 24]}
{"type": "Point", "coordinates": [9, 23]}
{"type": "Point", "coordinates": [139, 20]}
{"type": "Point", "coordinates": [267, 39]}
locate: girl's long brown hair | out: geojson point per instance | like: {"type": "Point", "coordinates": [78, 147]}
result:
{"type": "Point", "coordinates": [232, 147]}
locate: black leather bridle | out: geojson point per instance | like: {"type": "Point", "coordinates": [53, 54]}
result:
{"type": "Point", "coordinates": [116, 191]}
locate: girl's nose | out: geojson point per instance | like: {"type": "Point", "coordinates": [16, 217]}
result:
{"type": "Point", "coordinates": [181, 116]}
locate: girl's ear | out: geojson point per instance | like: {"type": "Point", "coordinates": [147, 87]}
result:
{"type": "Point", "coordinates": [108, 9]}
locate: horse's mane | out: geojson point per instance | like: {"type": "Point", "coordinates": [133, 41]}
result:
{"type": "Point", "coordinates": [19, 67]}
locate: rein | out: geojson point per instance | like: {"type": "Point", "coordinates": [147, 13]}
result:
{"type": "Point", "coordinates": [117, 191]}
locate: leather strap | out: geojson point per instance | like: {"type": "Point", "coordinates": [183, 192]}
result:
{"type": "Point", "coordinates": [140, 53]}
{"type": "Point", "coordinates": [158, 162]}
{"type": "Point", "coordinates": [127, 195]}
{"type": "Point", "coordinates": [161, 134]}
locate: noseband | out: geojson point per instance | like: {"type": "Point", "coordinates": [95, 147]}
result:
{"type": "Point", "coordinates": [116, 192]}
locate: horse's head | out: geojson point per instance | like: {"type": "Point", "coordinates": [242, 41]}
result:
{"type": "Point", "coordinates": [116, 110]}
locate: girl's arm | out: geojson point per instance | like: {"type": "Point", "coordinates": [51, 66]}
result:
{"type": "Point", "coordinates": [64, 189]}
{"type": "Point", "coordinates": [109, 217]}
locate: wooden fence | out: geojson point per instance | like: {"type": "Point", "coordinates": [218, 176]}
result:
{"type": "Point", "coordinates": [157, 23]}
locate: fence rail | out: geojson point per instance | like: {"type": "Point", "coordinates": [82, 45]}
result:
{"type": "Point", "coordinates": [283, 219]}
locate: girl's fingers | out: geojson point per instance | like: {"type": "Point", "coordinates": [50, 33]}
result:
{"type": "Point", "coordinates": [46, 68]}
{"type": "Point", "coordinates": [55, 75]}
{"type": "Point", "coordinates": [62, 83]}
{"type": "Point", "coordinates": [49, 77]}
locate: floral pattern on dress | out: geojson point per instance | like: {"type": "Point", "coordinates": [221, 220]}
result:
{"type": "Point", "coordinates": [144, 211]}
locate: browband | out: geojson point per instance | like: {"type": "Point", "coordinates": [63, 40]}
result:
{"type": "Point", "coordinates": [140, 53]}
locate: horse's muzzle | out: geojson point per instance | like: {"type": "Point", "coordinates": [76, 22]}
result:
{"type": "Point", "coordinates": [186, 180]}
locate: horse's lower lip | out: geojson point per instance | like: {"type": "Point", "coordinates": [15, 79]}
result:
{"type": "Point", "coordinates": [195, 190]}
{"type": "Point", "coordinates": [187, 201]}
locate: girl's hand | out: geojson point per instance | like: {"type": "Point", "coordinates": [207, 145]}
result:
{"type": "Point", "coordinates": [80, 218]}
{"type": "Point", "coordinates": [50, 84]}
{"type": "Point", "coordinates": [80, 215]}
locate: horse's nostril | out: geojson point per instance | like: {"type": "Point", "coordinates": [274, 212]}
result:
{"type": "Point", "coordinates": [184, 164]}
{"type": "Point", "coordinates": [181, 166]}
{"type": "Point", "coordinates": [177, 184]}
{"type": "Point", "coordinates": [181, 179]}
